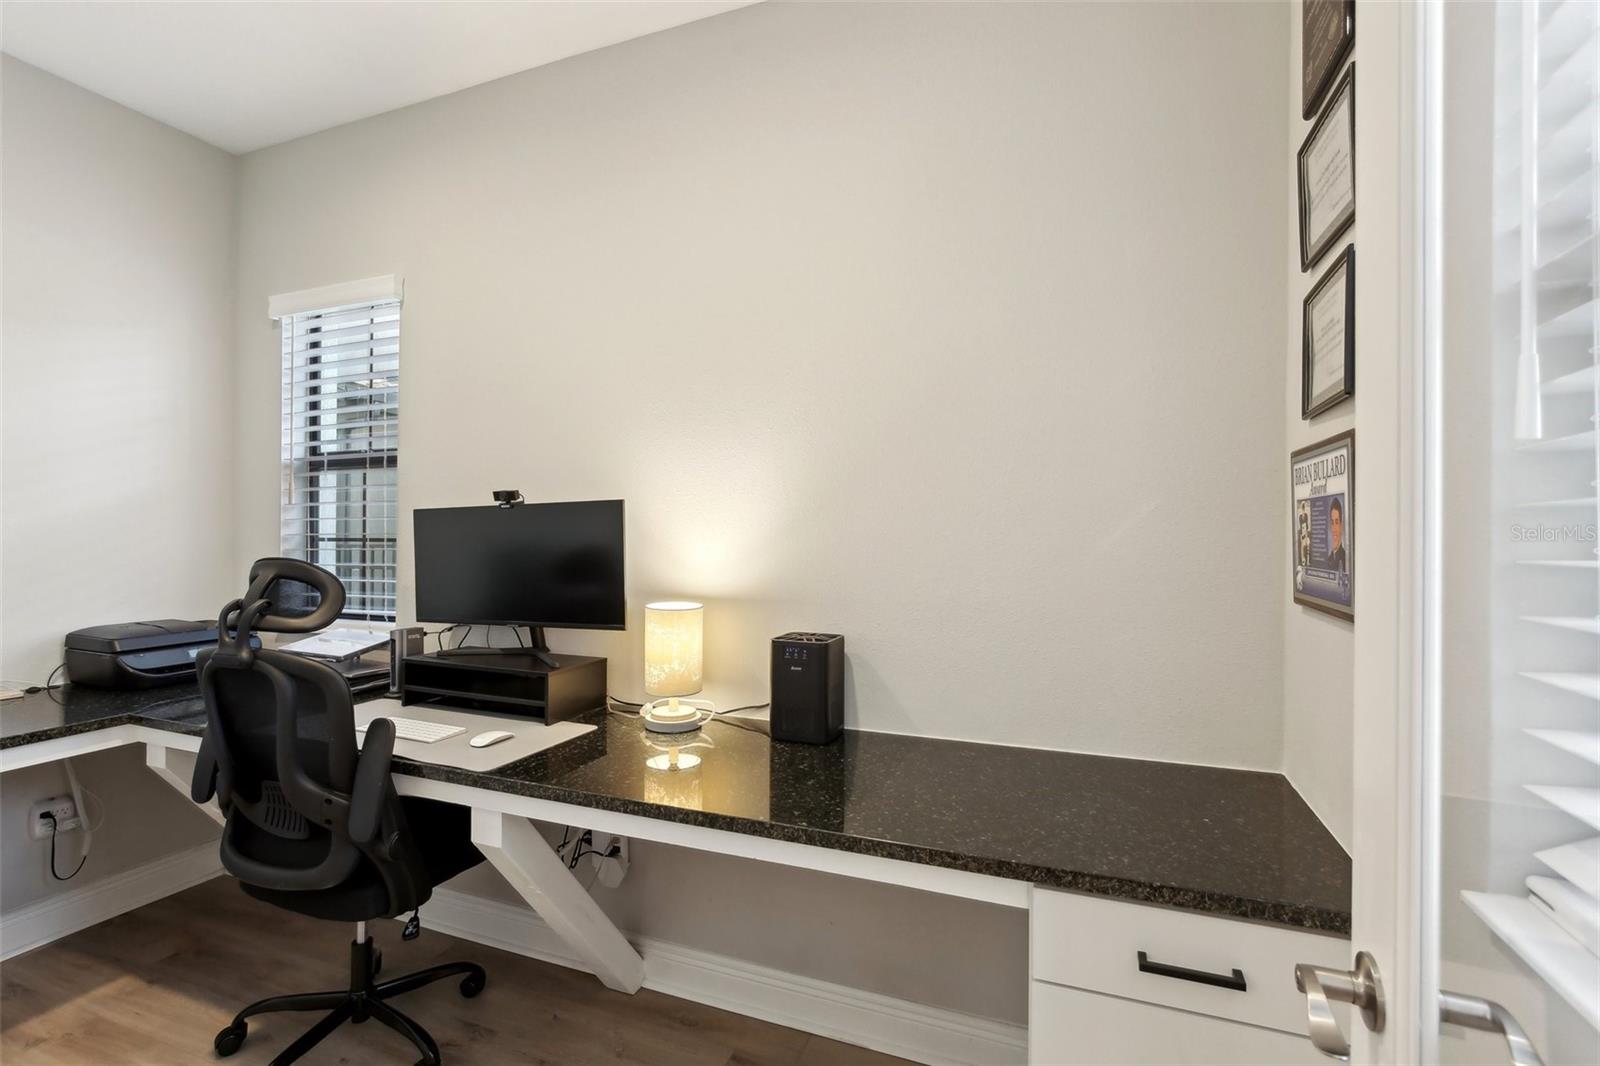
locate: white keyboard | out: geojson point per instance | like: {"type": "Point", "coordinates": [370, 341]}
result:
{"type": "Point", "coordinates": [422, 732]}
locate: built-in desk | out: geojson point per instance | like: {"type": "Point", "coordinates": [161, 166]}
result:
{"type": "Point", "coordinates": [989, 822]}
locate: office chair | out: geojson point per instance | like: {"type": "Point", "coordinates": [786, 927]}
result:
{"type": "Point", "coordinates": [312, 824]}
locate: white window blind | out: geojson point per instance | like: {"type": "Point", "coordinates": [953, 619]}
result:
{"type": "Point", "coordinates": [341, 448]}
{"type": "Point", "coordinates": [1547, 151]}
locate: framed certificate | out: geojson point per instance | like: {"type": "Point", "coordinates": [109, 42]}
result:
{"type": "Point", "coordinates": [1322, 524]}
{"type": "Point", "coordinates": [1327, 166]}
{"type": "Point", "coordinates": [1327, 32]}
{"type": "Point", "coordinates": [1328, 338]}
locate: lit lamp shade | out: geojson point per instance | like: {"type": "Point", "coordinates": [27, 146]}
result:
{"type": "Point", "coordinates": [672, 647]}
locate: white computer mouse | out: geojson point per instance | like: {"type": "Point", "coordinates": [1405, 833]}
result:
{"type": "Point", "coordinates": [494, 736]}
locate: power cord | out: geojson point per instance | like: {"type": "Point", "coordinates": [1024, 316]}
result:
{"type": "Point", "coordinates": [49, 685]}
{"type": "Point", "coordinates": [715, 716]}
{"type": "Point", "coordinates": [585, 841]}
{"type": "Point", "coordinates": [488, 630]}
{"type": "Point", "coordinates": [610, 699]}
{"type": "Point", "coordinates": [439, 634]}
{"type": "Point", "coordinates": [50, 815]}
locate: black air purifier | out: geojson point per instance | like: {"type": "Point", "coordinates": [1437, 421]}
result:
{"type": "Point", "coordinates": [807, 687]}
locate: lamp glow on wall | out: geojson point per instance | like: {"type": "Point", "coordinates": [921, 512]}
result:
{"type": "Point", "coordinates": [673, 646]}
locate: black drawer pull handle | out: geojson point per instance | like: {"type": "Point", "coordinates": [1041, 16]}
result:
{"type": "Point", "coordinates": [1183, 973]}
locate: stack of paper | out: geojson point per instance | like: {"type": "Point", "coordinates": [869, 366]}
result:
{"type": "Point", "coordinates": [338, 643]}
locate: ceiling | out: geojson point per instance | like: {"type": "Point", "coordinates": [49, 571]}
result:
{"type": "Point", "coordinates": [245, 75]}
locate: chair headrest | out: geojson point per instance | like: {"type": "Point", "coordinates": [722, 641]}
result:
{"type": "Point", "coordinates": [300, 597]}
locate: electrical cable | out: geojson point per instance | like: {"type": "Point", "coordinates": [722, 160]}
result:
{"type": "Point", "coordinates": [577, 852]}
{"type": "Point", "coordinates": [49, 685]}
{"type": "Point", "coordinates": [488, 634]}
{"type": "Point", "coordinates": [739, 723]}
{"type": "Point", "coordinates": [439, 634]}
{"type": "Point", "coordinates": [91, 824]}
{"type": "Point", "coordinates": [83, 811]}
{"type": "Point", "coordinates": [749, 725]}
{"type": "Point", "coordinates": [58, 877]}
{"type": "Point", "coordinates": [746, 707]}
{"type": "Point", "coordinates": [731, 710]}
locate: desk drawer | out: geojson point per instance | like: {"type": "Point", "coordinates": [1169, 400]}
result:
{"type": "Point", "coordinates": [1070, 1027]}
{"type": "Point", "coordinates": [1190, 960]}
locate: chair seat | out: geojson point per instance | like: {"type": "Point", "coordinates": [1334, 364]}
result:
{"type": "Point", "coordinates": [442, 832]}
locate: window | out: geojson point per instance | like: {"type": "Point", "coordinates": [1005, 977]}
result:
{"type": "Point", "coordinates": [341, 448]}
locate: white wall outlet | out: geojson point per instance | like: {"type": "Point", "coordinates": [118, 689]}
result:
{"type": "Point", "coordinates": [62, 807]}
{"type": "Point", "coordinates": [612, 862]}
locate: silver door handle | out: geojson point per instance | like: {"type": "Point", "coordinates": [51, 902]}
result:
{"type": "Point", "coordinates": [1475, 1012]}
{"type": "Point", "coordinates": [1359, 987]}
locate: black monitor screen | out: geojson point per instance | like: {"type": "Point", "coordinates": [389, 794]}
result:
{"type": "Point", "coordinates": [535, 564]}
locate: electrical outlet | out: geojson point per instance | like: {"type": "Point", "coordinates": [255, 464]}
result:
{"type": "Point", "coordinates": [65, 811]}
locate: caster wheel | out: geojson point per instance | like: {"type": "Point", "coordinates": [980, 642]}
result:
{"type": "Point", "coordinates": [471, 985]}
{"type": "Point", "coordinates": [230, 1039]}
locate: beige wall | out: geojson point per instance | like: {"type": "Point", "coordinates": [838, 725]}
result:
{"type": "Point", "coordinates": [1318, 649]}
{"type": "Point", "coordinates": [951, 328]}
{"type": "Point", "coordinates": [117, 455]}
{"type": "Point", "coordinates": [954, 328]}
{"type": "Point", "coordinates": [115, 458]}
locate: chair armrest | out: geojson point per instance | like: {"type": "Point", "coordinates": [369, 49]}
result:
{"type": "Point", "coordinates": [372, 781]}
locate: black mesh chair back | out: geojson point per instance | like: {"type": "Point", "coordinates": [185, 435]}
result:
{"type": "Point", "coordinates": [312, 824]}
{"type": "Point", "coordinates": [280, 753]}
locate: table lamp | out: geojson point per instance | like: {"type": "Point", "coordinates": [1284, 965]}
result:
{"type": "Point", "coordinates": [673, 634]}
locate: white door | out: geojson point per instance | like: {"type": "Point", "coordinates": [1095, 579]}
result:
{"type": "Point", "coordinates": [1477, 737]}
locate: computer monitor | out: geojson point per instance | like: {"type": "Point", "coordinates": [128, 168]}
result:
{"type": "Point", "coordinates": [530, 564]}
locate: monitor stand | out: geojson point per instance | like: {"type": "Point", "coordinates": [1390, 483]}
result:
{"type": "Point", "coordinates": [536, 648]}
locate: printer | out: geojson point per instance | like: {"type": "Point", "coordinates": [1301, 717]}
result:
{"type": "Point", "coordinates": [138, 654]}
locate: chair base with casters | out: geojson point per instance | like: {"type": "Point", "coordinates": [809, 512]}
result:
{"type": "Point", "coordinates": [312, 821]}
{"type": "Point", "coordinates": [365, 999]}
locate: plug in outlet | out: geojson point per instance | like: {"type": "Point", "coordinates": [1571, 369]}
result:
{"type": "Point", "coordinates": [611, 864]}
{"type": "Point", "coordinates": [66, 815]}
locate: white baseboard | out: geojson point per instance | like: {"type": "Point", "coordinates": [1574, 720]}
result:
{"type": "Point", "coordinates": [80, 907]}
{"type": "Point", "coordinates": [867, 1019]}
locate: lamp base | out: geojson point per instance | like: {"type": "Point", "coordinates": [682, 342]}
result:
{"type": "Point", "coordinates": [675, 715]}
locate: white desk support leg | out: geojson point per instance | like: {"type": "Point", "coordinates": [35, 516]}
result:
{"type": "Point", "coordinates": [176, 768]}
{"type": "Point", "coordinates": [528, 862]}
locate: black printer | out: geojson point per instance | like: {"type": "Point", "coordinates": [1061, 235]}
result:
{"type": "Point", "coordinates": [138, 654]}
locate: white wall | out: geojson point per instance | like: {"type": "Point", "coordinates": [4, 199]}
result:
{"type": "Point", "coordinates": [117, 461]}
{"type": "Point", "coordinates": [115, 456]}
{"type": "Point", "coordinates": [893, 320]}
{"type": "Point", "coordinates": [1318, 649]}
{"type": "Point", "coordinates": [952, 328]}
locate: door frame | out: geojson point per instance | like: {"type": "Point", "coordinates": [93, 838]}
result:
{"type": "Point", "coordinates": [1397, 585]}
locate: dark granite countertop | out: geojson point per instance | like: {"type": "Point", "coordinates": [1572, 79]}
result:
{"type": "Point", "coordinates": [1233, 842]}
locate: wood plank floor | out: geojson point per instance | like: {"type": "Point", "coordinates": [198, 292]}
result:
{"type": "Point", "coordinates": [154, 985]}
